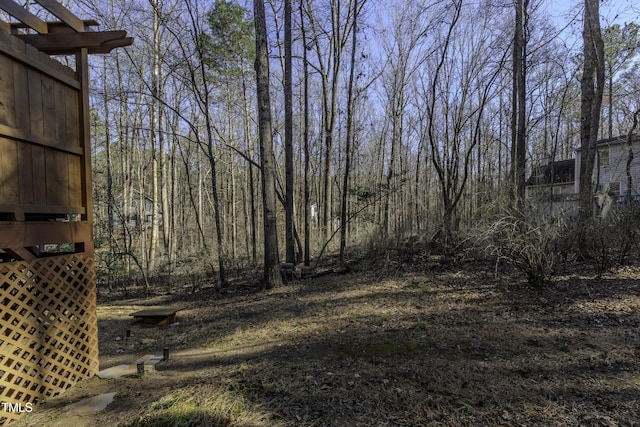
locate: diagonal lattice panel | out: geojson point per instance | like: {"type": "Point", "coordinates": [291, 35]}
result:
{"type": "Point", "coordinates": [48, 328]}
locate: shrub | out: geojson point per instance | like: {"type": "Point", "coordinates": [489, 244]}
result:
{"type": "Point", "coordinates": [527, 242]}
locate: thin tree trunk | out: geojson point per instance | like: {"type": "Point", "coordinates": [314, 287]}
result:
{"type": "Point", "coordinates": [153, 240]}
{"type": "Point", "coordinates": [350, 137]}
{"type": "Point", "coordinates": [592, 88]}
{"type": "Point", "coordinates": [307, 195]}
{"type": "Point", "coordinates": [288, 137]}
{"type": "Point", "coordinates": [271, 277]}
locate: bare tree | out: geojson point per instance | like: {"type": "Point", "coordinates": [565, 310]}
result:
{"type": "Point", "coordinates": [518, 113]}
{"type": "Point", "coordinates": [350, 136]}
{"type": "Point", "coordinates": [592, 86]}
{"type": "Point", "coordinates": [271, 277]}
{"type": "Point", "coordinates": [454, 116]}
{"type": "Point", "coordinates": [288, 136]}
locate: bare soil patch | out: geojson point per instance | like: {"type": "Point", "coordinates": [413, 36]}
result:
{"type": "Point", "coordinates": [446, 346]}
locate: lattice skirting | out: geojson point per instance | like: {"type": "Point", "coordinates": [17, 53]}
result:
{"type": "Point", "coordinates": [48, 329]}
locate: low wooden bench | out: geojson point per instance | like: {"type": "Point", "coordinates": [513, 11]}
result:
{"type": "Point", "coordinates": [157, 315]}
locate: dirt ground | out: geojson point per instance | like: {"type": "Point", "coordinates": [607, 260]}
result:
{"type": "Point", "coordinates": [444, 345]}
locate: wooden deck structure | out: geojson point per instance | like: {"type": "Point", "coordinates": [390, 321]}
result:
{"type": "Point", "coordinates": [48, 326]}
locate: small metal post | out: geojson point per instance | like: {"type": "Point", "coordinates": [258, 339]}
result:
{"type": "Point", "coordinates": [140, 368]}
{"type": "Point", "coordinates": [165, 353]}
{"type": "Point", "coordinates": [128, 333]}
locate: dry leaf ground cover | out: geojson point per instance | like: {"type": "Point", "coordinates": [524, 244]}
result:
{"type": "Point", "coordinates": [451, 346]}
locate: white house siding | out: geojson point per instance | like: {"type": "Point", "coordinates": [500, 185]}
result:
{"type": "Point", "coordinates": [616, 170]}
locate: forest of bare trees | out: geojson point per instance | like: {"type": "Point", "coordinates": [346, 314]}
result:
{"type": "Point", "coordinates": [388, 121]}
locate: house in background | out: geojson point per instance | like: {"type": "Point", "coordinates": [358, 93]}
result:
{"type": "Point", "coordinates": [555, 186]}
{"type": "Point", "coordinates": [551, 186]}
{"type": "Point", "coordinates": [610, 172]}
{"type": "Point", "coordinates": [135, 220]}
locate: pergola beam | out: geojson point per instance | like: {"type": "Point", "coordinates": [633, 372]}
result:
{"type": "Point", "coordinates": [63, 14]}
{"type": "Point", "coordinates": [67, 43]}
{"type": "Point", "coordinates": [24, 16]}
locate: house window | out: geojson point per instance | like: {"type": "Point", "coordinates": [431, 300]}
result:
{"type": "Point", "coordinates": [614, 188]}
{"type": "Point", "coordinates": [603, 157]}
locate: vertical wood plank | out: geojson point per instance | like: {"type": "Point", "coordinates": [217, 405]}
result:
{"type": "Point", "coordinates": [3, 171]}
{"type": "Point", "coordinates": [52, 177]}
{"type": "Point", "coordinates": [25, 175]}
{"type": "Point", "coordinates": [71, 101]}
{"type": "Point", "coordinates": [36, 122]}
{"type": "Point", "coordinates": [8, 172]}
{"type": "Point", "coordinates": [82, 69]}
{"type": "Point", "coordinates": [48, 106]}
{"type": "Point", "coordinates": [75, 187]}
{"type": "Point", "coordinates": [21, 100]}
{"type": "Point", "coordinates": [63, 168]}
{"type": "Point", "coordinates": [39, 175]}
{"type": "Point", "coordinates": [60, 107]}
{"type": "Point", "coordinates": [7, 94]}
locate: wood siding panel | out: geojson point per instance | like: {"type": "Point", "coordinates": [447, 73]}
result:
{"type": "Point", "coordinates": [36, 125]}
{"type": "Point", "coordinates": [49, 108]}
{"type": "Point", "coordinates": [61, 114]}
{"type": "Point", "coordinates": [73, 130]}
{"type": "Point", "coordinates": [25, 166]}
{"type": "Point", "coordinates": [7, 93]}
{"type": "Point", "coordinates": [75, 184]}
{"type": "Point", "coordinates": [57, 178]}
{"type": "Point", "coordinates": [39, 175]}
{"type": "Point", "coordinates": [8, 172]}
{"type": "Point", "coordinates": [21, 90]}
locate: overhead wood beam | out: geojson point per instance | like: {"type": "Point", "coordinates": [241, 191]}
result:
{"type": "Point", "coordinates": [24, 16]}
{"type": "Point", "coordinates": [63, 14]}
{"type": "Point", "coordinates": [53, 26]}
{"type": "Point", "coordinates": [67, 43]}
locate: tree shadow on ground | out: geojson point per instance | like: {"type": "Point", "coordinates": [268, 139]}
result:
{"type": "Point", "coordinates": [415, 349]}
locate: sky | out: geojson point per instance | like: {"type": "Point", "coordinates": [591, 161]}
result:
{"type": "Point", "coordinates": [611, 11]}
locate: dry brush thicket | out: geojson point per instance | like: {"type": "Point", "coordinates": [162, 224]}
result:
{"type": "Point", "coordinates": [427, 118]}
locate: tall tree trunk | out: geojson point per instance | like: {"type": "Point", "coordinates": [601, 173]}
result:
{"type": "Point", "coordinates": [288, 136]}
{"type": "Point", "coordinates": [518, 135]}
{"type": "Point", "coordinates": [591, 103]}
{"type": "Point", "coordinates": [350, 136]}
{"type": "Point", "coordinates": [247, 127]}
{"type": "Point", "coordinates": [153, 240]}
{"type": "Point", "coordinates": [271, 277]}
{"type": "Point", "coordinates": [307, 195]}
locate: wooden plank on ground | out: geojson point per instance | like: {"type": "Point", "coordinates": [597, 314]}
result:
{"type": "Point", "coordinates": [158, 315]}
